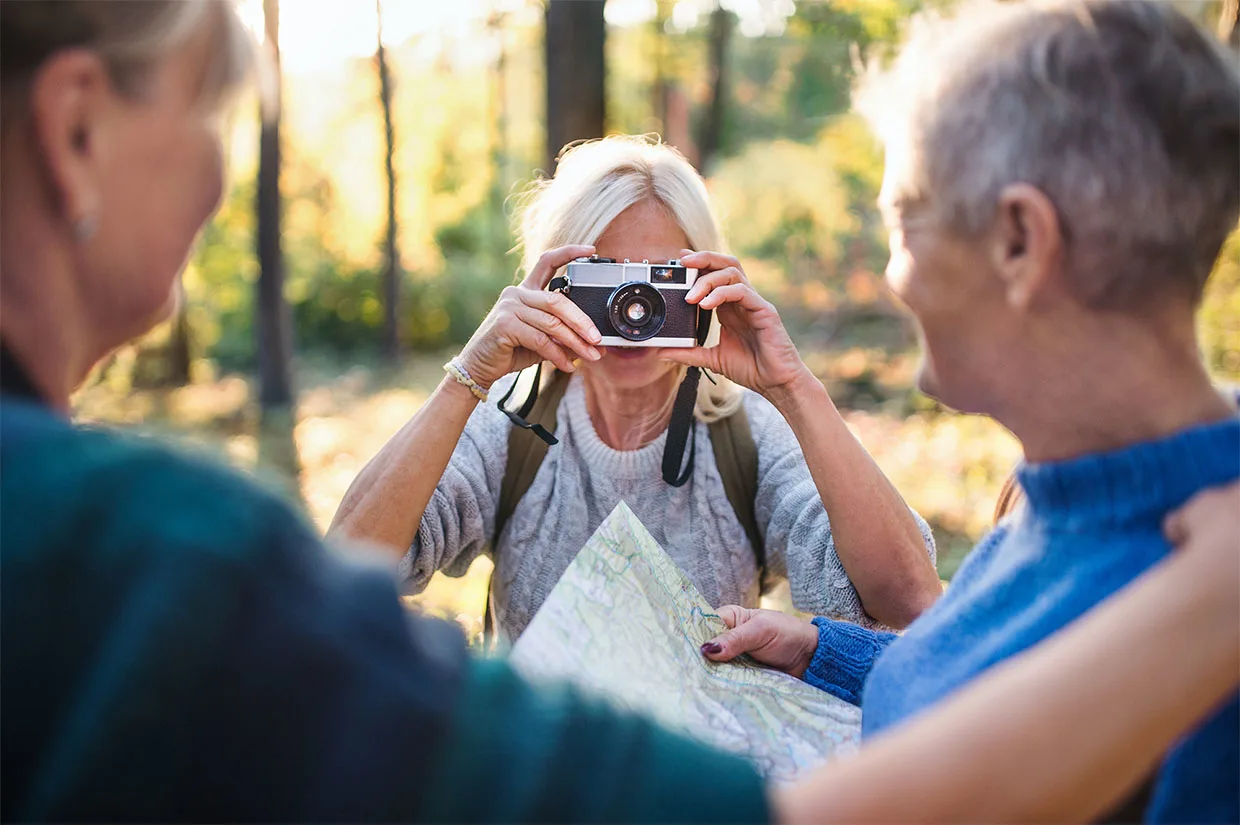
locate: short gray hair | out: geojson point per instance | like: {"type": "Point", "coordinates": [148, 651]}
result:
{"type": "Point", "coordinates": [1123, 113]}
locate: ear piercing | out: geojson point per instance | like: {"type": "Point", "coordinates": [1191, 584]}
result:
{"type": "Point", "coordinates": [84, 228]}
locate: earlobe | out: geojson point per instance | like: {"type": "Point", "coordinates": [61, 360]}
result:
{"type": "Point", "coordinates": [66, 102]}
{"type": "Point", "coordinates": [1027, 243]}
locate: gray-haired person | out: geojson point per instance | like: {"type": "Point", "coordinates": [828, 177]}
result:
{"type": "Point", "coordinates": [1059, 182]}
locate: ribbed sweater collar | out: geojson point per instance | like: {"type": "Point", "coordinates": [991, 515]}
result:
{"type": "Point", "coordinates": [1138, 483]}
{"type": "Point", "coordinates": [642, 463]}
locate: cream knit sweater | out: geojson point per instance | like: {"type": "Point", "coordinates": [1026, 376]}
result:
{"type": "Point", "coordinates": [582, 479]}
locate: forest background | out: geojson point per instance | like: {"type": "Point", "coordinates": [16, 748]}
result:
{"type": "Point", "coordinates": [368, 228]}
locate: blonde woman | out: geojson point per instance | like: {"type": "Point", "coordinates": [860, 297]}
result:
{"type": "Point", "coordinates": [830, 521]}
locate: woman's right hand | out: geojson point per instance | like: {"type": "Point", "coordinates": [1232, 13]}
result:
{"type": "Point", "coordinates": [529, 324]}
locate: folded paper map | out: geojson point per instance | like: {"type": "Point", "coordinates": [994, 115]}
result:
{"type": "Point", "coordinates": [625, 623]}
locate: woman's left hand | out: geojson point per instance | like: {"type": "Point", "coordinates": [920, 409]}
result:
{"type": "Point", "coordinates": [754, 349]}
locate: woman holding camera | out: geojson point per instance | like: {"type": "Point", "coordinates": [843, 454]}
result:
{"type": "Point", "coordinates": [826, 517]}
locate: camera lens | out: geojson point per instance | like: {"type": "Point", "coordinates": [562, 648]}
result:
{"type": "Point", "coordinates": [636, 311]}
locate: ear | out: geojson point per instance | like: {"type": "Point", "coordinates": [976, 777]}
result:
{"type": "Point", "coordinates": [68, 102]}
{"type": "Point", "coordinates": [1027, 243]}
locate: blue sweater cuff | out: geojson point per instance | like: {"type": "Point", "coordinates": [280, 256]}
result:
{"type": "Point", "coordinates": [845, 654]}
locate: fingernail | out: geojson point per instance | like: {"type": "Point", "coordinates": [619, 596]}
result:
{"type": "Point", "coordinates": [594, 336]}
{"type": "Point", "coordinates": [595, 354]}
{"type": "Point", "coordinates": [712, 648]}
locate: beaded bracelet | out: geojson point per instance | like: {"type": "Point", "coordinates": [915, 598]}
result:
{"type": "Point", "coordinates": [457, 370]}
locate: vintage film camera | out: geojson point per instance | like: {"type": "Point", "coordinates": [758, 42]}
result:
{"type": "Point", "coordinates": [634, 304]}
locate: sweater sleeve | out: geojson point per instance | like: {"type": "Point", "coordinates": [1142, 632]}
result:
{"type": "Point", "coordinates": [844, 657]}
{"type": "Point", "coordinates": [546, 754]}
{"type": "Point", "coordinates": [210, 661]}
{"type": "Point", "coordinates": [796, 527]}
{"type": "Point", "coordinates": [458, 523]}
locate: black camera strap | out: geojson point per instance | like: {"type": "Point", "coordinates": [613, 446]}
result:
{"type": "Point", "coordinates": [518, 416]}
{"type": "Point", "coordinates": [681, 430]}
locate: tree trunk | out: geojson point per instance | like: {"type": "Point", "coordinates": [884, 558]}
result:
{"type": "Point", "coordinates": [499, 138]}
{"type": "Point", "coordinates": [575, 34]}
{"type": "Point", "coordinates": [392, 269]}
{"type": "Point", "coordinates": [274, 324]}
{"type": "Point", "coordinates": [659, 88]}
{"type": "Point", "coordinates": [179, 346]}
{"type": "Point", "coordinates": [711, 139]}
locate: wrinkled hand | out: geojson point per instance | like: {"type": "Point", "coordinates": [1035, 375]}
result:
{"type": "Point", "coordinates": [529, 324]}
{"type": "Point", "coordinates": [754, 349]}
{"type": "Point", "coordinates": [1208, 528]}
{"type": "Point", "coordinates": [772, 638]}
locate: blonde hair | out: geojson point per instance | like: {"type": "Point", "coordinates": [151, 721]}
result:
{"type": "Point", "coordinates": [597, 180]}
{"type": "Point", "coordinates": [130, 36]}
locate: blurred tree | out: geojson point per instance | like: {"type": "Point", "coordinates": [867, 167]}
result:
{"type": "Point", "coordinates": [179, 355]}
{"type": "Point", "coordinates": [710, 136]}
{"type": "Point", "coordinates": [391, 263]}
{"type": "Point", "coordinates": [576, 74]}
{"type": "Point", "coordinates": [274, 328]}
{"type": "Point", "coordinates": [659, 87]}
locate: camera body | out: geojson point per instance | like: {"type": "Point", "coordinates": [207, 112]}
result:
{"type": "Point", "coordinates": [634, 304]}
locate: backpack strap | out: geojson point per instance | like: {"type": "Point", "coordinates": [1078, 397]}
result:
{"type": "Point", "coordinates": [526, 451]}
{"type": "Point", "coordinates": [731, 439]}
{"type": "Point", "coordinates": [736, 455]}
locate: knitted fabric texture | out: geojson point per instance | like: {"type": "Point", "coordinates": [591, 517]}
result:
{"type": "Point", "coordinates": [582, 479]}
{"type": "Point", "coordinates": [1089, 527]}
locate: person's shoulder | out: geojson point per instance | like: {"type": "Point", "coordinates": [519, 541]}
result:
{"type": "Point", "coordinates": [85, 485]}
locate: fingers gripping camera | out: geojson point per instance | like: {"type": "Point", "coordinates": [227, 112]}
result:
{"type": "Point", "coordinates": [633, 304]}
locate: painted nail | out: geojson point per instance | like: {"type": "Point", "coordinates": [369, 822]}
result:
{"type": "Point", "coordinates": [712, 648]}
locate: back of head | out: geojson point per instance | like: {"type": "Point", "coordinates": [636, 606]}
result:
{"type": "Point", "coordinates": [1122, 112]}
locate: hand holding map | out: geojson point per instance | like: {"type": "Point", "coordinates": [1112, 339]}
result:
{"type": "Point", "coordinates": [626, 624]}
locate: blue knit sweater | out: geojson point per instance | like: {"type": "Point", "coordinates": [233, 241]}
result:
{"type": "Point", "coordinates": [1090, 526]}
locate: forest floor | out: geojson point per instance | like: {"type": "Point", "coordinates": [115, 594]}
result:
{"type": "Point", "coordinates": [948, 466]}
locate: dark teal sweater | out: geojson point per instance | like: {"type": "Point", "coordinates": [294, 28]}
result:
{"type": "Point", "coordinates": [1090, 526]}
{"type": "Point", "coordinates": [177, 645]}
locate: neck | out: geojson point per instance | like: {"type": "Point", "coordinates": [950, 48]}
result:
{"type": "Point", "coordinates": [630, 418]}
{"type": "Point", "coordinates": [1140, 386]}
{"type": "Point", "coordinates": [43, 328]}
{"type": "Point", "coordinates": [42, 318]}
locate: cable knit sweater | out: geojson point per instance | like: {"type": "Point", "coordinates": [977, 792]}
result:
{"type": "Point", "coordinates": [582, 479]}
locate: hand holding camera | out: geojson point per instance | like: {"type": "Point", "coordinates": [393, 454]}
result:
{"type": "Point", "coordinates": [754, 349]}
{"type": "Point", "coordinates": [529, 324]}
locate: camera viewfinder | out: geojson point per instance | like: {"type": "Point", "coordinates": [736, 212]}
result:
{"type": "Point", "coordinates": [668, 275]}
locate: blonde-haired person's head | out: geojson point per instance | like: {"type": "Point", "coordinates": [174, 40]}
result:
{"type": "Point", "coordinates": [594, 183]}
